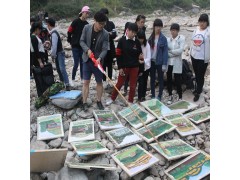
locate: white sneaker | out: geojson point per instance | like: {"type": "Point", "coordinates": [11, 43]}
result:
{"type": "Point", "coordinates": [170, 100]}
{"type": "Point", "coordinates": [109, 101]}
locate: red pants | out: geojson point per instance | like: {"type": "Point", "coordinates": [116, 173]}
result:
{"type": "Point", "coordinates": [133, 76]}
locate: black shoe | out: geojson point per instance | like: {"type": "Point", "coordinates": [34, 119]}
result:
{"type": "Point", "coordinates": [194, 92]}
{"type": "Point", "coordinates": [100, 106]}
{"type": "Point", "coordinates": [196, 97]}
{"type": "Point", "coordinates": [84, 107]}
{"type": "Point", "coordinates": [68, 88]}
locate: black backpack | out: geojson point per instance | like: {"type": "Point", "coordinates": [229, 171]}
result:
{"type": "Point", "coordinates": [187, 76]}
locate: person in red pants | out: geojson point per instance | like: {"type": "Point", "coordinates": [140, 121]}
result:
{"type": "Point", "coordinates": [129, 57]}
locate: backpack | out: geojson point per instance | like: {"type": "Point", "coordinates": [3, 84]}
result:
{"type": "Point", "coordinates": [187, 76]}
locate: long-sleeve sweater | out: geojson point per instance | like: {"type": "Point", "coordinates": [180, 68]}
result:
{"type": "Point", "coordinates": [37, 50]}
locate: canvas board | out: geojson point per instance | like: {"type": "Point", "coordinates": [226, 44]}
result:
{"type": "Point", "coordinates": [89, 166]}
{"type": "Point", "coordinates": [174, 149]}
{"type": "Point", "coordinates": [182, 106]}
{"type": "Point", "coordinates": [172, 116]}
{"type": "Point", "coordinates": [123, 137]}
{"type": "Point", "coordinates": [81, 130]}
{"type": "Point", "coordinates": [134, 159]}
{"type": "Point", "coordinates": [107, 119]}
{"type": "Point", "coordinates": [158, 128]}
{"type": "Point", "coordinates": [199, 115]}
{"type": "Point", "coordinates": [185, 127]}
{"type": "Point", "coordinates": [49, 127]}
{"type": "Point", "coordinates": [156, 107]}
{"type": "Point", "coordinates": [194, 167]}
{"type": "Point", "coordinates": [73, 94]}
{"type": "Point", "coordinates": [133, 120]}
{"type": "Point", "coordinates": [83, 148]}
{"type": "Point", "coordinates": [47, 160]}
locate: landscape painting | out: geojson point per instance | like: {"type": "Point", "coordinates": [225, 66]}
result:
{"type": "Point", "coordinates": [172, 116]}
{"type": "Point", "coordinates": [194, 167]}
{"type": "Point", "coordinates": [81, 130]}
{"type": "Point", "coordinates": [155, 107]}
{"type": "Point", "coordinates": [199, 115]}
{"type": "Point", "coordinates": [83, 148]}
{"type": "Point", "coordinates": [123, 137]}
{"type": "Point", "coordinates": [107, 119]}
{"type": "Point", "coordinates": [174, 149]}
{"type": "Point", "coordinates": [90, 166]}
{"type": "Point", "coordinates": [49, 127]}
{"type": "Point", "coordinates": [133, 120]}
{"type": "Point", "coordinates": [185, 127]}
{"type": "Point", "coordinates": [158, 128]}
{"type": "Point", "coordinates": [134, 159]}
{"type": "Point", "coordinates": [182, 106]}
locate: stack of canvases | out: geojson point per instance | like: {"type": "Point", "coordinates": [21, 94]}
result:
{"type": "Point", "coordinates": [159, 119]}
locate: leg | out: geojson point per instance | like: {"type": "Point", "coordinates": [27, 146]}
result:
{"type": "Point", "coordinates": [133, 75]}
{"type": "Point", "coordinates": [98, 77]}
{"type": "Point", "coordinates": [85, 90]}
{"type": "Point", "coordinates": [126, 84]}
{"type": "Point", "coordinates": [160, 79]}
{"type": "Point", "coordinates": [109, 65]}
{"type": "Point", "coordinates": [62, 67]}
{"type": "Point", "coordinates": [177, 78]}
{"type": "Point", "coordinates": [195, 68]}
{"type": "Point", "coordinates": [86, 80]}
{"type": "Point", "coordinates": [169, 80]}
{"type": "Point", "coordinates": [202, 70]}
{"type": "Point", "coordinates": [81, 63]}
{"type": "Point", "coordinates": [152, 78]}
{"type": "Point", "coordinates": [76, 62]}
{"type": "Point", "coordinates": [104, 67]}
{"type": "Point", "coordinates": [99, 89]}
{"type": "Point", "coordinates": [58, 69]}
{"type": "Point", "coordinates": [140, 87]}
{"type": "Point", "coordinates": [145, 79]}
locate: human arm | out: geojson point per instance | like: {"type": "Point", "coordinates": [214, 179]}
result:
{"type": "Point", "coordinates": [54, 45]}
{"type": "Point", "coordinates": [83, 41]}
{"type": "Point", "coordinates": [178, 51]}
{"type": "Point", "coordinates": [70, 32]}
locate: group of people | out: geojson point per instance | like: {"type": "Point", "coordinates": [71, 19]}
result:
{"type": "Point", "coordinates": [137, 57]}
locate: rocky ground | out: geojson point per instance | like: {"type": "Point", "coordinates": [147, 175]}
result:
{"type": "Point", "coordinates": [156, 172]}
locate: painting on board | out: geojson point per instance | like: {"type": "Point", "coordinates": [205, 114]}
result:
{"type": "Point", "coordinates": [199, 115]}
{"type": "Point", "coordinates": [83, 148]}
{"type": "Point", "coordinates": [133, 120]}
{"type": "Point", "coordinates": [134, 159]}
{"type": "Point", "coordinates": [174, 149]}
{"type": "Point", "coordinates": [49, 127]}
{"type": "Point", "coordinates": [182, 106]}
{"type": "Point", "coordinates": [156, 107]}
{"type": "Point", "coordinates": [107, 119]}
{"type": "Point", "coordinates": [194, 167]}
{"type": "Point", "coordinates": [81, 130]}
{"type": "Point", "coordinates": [123, 137]}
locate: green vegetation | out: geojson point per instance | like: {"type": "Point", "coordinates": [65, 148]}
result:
{"type": "Point", "coordinates": [71, 8]}
{"type": "Point", "coordinates": [107, 119]}
{"type": "Point", "coordinates": [52, 126]}
{"type": "Point", "coordinates": [200, 116]}
{"type": "Point", "coordinates": [180, 105]}
{"type": "Point", "coordinates": [89, 146]}
{"type": "Point", "coordinates": [133, 119]}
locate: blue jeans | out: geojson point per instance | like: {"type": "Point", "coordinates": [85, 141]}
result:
{"type": "Point", "coordinates": [61, 68]}
{"type": "Point", "coordinates": [153, 70]}
{"type": "Point", "coordinates": [77, 57]}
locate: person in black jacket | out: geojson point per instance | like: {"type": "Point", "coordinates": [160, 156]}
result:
{"type": "Point", "coordinates": [108, 61]}
{"type": "Point", "coordinates": [74, 35]}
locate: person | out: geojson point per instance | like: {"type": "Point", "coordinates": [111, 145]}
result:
{"type": "Point", "coordinates": [94, 40]}
{"type": "Point", "coordinates": [143, 76]}
{"type": "Point", "coordinates": [74, 35]}
{"type": "Point", "coordinates": [200, 52]}
{"type": "Point", "coordinates": [57, 53]}
{"type": "Point", "coordinates": [32, 20]}
{"type": "Point", "coordinates": [45, 37]}
{"type": "Point", "coordinates": [159, 56]}
{"type": "Point", "coordinates": [37, 54]}
{"type": "Point", "coordinates": [129, 56]}
{"type": "Point", "coordinates": [175, 49]}
{"type": "Point", "coordinates": [108, 61]}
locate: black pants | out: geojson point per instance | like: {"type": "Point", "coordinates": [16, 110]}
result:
{"type": "Point", "coordinates": [142, 84]}
{"type": "Point", "coordinates": [107, 63]}
{"type": "Point", "coordinates": [199, 68]}
{"type": "Point", "coordinates": [178, 81]}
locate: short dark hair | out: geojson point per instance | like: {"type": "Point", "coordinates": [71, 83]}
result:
{"type": "Point", "coordinates": [132, 27]}
{"type": "Point", "coordinates": [158, 22]}
{"type": "Point", "coordinates": [104, 10]}
{"type": "Point", "coordinates": [35, 25]}
{"type": "Point", "coordinates": [100, 17]}
{"type": "Point", "coordinates": [141, 35]}
{"type": "Point", "coordinates": [204, 17]}
{"type": "Point", "coordinates": [51, 22]}
{"type": "Point", "coordinates": [175, 26]}
{"type": "Point", "coordinates": [139, 17]}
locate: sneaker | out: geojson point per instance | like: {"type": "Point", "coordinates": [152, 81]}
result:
{"type": "Point", "coordinates": [84, 107]}
{"type": "Point", "coordinates": [170, 99]}
{"type": "Point", "coordinates": [68, 88]}
{"type": "Point", "coordinates": [159, 98]}
{"type": "Point", "coordinates": [100, 106]}
{"type": "Point", "coordinates": [196, 97]}
{"type": "Point", "coordinates": [109, 101]}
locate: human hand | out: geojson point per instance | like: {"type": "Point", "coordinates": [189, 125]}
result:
{"type": "Point", "coordinates": [121, 72]}
{"type": "Point", "coordinates": [89, 52]}
{"type": "Point", "coordinates": [141, 56]}
{"type": "Point", "coordinates": [41, 65]}
{"type": "Point", "coordinates": [141, 61]}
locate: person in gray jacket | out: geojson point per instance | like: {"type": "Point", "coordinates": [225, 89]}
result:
{"type": "Point", "coordinates": [94, 39]}
{"type": "Point", "coordinates": [175, 48]}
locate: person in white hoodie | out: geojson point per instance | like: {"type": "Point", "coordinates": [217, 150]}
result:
{"type": "Point", "coordinates": [143, 76]}
{"type": "Point", "coordinates": [175, 48]}
{"type": "Point", "coordinates": [200, 52]}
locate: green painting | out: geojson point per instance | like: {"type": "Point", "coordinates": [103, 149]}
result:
{"type": "Point", "coordinates": [182, 106]}
{"type": "Point", "coordinates": [158, 128]}
{"type": "Point", "coordinates": [194, 167]}
{"type": "Point", "coordinates": [52, 126]}
{"type": "Point", "coordinates": [173, 116]}
{"type": "Point", "coordinates": [200, 116]}
{"type": "Point", "coordinates": [174, 149]}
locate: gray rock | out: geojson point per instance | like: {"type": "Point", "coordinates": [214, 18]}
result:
{"type": "Point", "coordinates": [34, 127]}
{"type": "Point", "coordinates": [74, 117]}
{"type": "Point", "coordinates": [71, 157]}
{"type": "Point", "coordinates": [154, 171]}
{"type": "Point", "coordinates": [139, 176]}
{"type": "Point", "coordinates": [202, 126]}
{"type": "Point", "coordinates": [96, 127]}
{"type": "Point", "coordinates": [70, 113]}
{"type": "Point", "coordinates": [207, 150]}
{"type": "Point", "coordinates": [124, 176]}
{"type": "Point", "coordinates": [85, 114]}
{"type": "Point", "coordinates": [162, 160]}
{"type": "Point", "coordinates": [104, 142]}
{"type": "Point", "coordinates": [190, 138]}
{"type": "Point", "coordinates": [55, 143]}
{"type": "Point", "coordinates": [103, 136]}
{"type": "Point", "coordinates": [35, 176]}
{"type": "Point", "coordinates": [65, 103]}
{"type": "Point", "coordinates": [110, 146]}
{"type": "Point", "coordinates": [66, 126]}
{"type": "Point", "coordinates": [170, 135]}
{"type": "Point", "coordinates": [96, 174]}
{"type": "Point", "coordinates": [157, 178]}
{"type": "Point", "coordinates": [71, 174]}
{"type": "Point", "coordinates": [101, 159]}
{"type": "Point", "coordinates": [111, 175]}
{"type": "Point", "coordinates": [66, 136]}
{"type": "Point", "coordinates": [38, 145]}
{"type": "Point", "coordinates": [207, 144]}
{"type": "Point", "coordinates": [161, 173]}
{"type": "Point", "coordinates": [206, 89]}
{"type": "Point", "coordinates": [112, 162]}
{"type": "Point", "coordinates": [149, 178]}
{"type": "Point", "coordinates": [115, 107]}
{"type": "Point", "coordinates": [98, 136]}
{"type": "Point", "coordinates": [65, 144]}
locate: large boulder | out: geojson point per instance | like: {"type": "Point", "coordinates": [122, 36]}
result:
{"type": "Point", "coordinates": [65, 103]}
